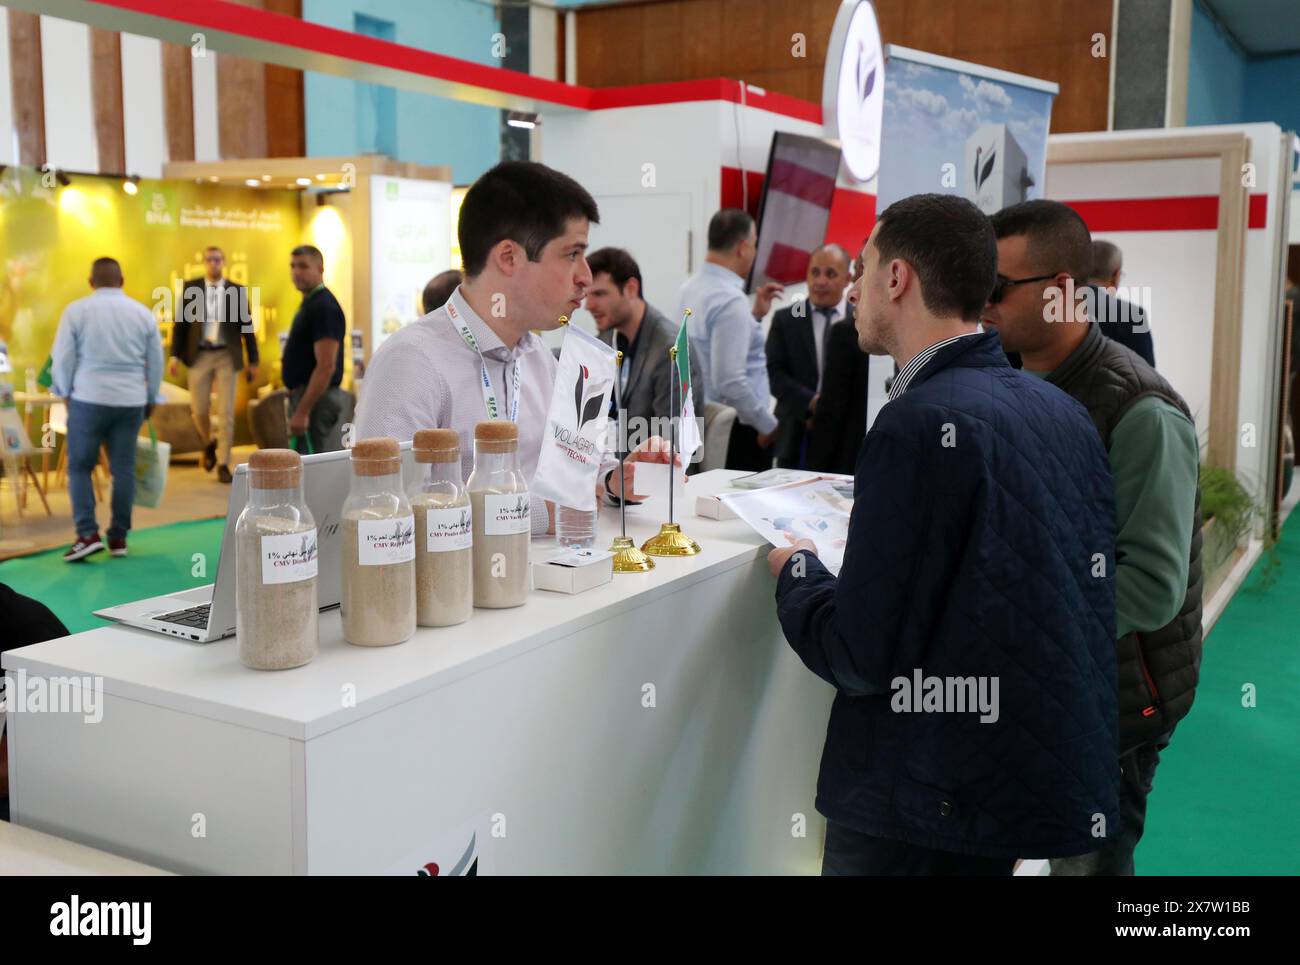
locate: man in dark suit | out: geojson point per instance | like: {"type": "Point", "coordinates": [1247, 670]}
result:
{"type": "Point", "coordinates": [633, 326]}
{"type": "Point", "coordinates": [840, 422]}
{"type": "Point", "coordinates": [1124, 321]}
{"type": "Point", "coordinates": [797, 350]}
{"type": "Point", "coordinates": [213, 328]}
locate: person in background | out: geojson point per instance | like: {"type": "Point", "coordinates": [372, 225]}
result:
{"type": "Point", "coordinates": [1124, 321]}
{"type": "Point", "coordinates": [798, 350]}
{"type": "Point", "coordinates": [839, 424]}
{"type": "Point", "coordinates": [26, 621]}
{"type": "Point", "coordinates": [727, 338]}
{"type": "Point", "coordinates": [312, 365]}
{"type": "Point", "coordinates": [1150, 438]}
{"type": "Point", "coordinates": [212, 331]}
{"type": "Point", "coordinates": [625, 320]}
{"type": "Point", "coordinates": [1292, 296]}
{"type": "Point", "coordinates": [108, 364]}
{"type": "Point", "coordinates": [523, 237]}
{"type": "Point", "coordinates": [439, 289]}
{"type": "Point", "coordinates": [982, 507]}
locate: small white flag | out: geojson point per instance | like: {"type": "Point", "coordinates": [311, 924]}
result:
{"type": "Point", "coordinates": [573, 440]}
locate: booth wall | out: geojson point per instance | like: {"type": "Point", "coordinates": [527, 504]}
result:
{"type": "Point", "coordinates": [428, 130]}
{"type": "Point", "coordinates": [1226, 85]}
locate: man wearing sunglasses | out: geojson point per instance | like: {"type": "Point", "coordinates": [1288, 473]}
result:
{"type": "Point", "coordinates": [980, 548]}
{"type": "Point", "coordinates": [1039, 309]}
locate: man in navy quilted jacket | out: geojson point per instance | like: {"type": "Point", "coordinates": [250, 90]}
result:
{"type": "Point", "coordinates": [970, 632]}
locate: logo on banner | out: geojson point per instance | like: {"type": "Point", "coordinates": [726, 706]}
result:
{"type": "Point", "coordinates": [466, 867]}
{"type": "Point", "coordinates": [588, 402]}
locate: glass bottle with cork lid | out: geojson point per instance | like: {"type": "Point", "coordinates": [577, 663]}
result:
{"type": "Point", "coordinates": [276, 584]}
{"type": "Point", "coordinates": [378, 551]}
{"type": "Point", "coordinates": [444, 531]}
{"type": "Point", "coordinates": [502, 526]}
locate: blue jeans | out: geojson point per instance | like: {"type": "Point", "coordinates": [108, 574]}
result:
{"type": "Point", "coordinates": [89, 427]}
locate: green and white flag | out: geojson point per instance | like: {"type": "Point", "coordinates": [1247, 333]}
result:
{"type": "Point", "coordinates": [688, 433]}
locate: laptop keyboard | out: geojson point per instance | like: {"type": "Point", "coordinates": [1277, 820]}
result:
{"type": "Point", "coordinates": [195, 616]}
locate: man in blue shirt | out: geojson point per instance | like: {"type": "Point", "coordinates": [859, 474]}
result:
{"type": "Point", "coordinates": [107, 362]}
{"type": "Point", "coordinates": [727, 338]}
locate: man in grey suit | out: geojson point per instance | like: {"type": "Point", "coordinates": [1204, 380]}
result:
{"type": "Point", "coordinates": [626, 321]}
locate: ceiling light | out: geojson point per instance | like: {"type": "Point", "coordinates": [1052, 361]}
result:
{"type": "Point", "coordinates": [522, 119]}
{"type": "Point", "coordinates": [303, 182]}
{"type": "Point", "coordinates": [253, 183]}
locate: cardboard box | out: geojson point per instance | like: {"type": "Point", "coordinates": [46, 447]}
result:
{"type": "Point", "coordinates": [559, 577]}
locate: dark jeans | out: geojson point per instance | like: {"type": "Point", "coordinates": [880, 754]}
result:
{"type": "Point", "coordinates": [743, 450]}
{"type": "Point", "coordinates": [850, 852]}
{"type": "Point", "coordinates": [324, 425]}
{"type": "Point", "coordinates": [89, 427]}
{"type": "Point", "coordinates": [1115, 857]}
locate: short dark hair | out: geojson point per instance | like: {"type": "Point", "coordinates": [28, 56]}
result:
{"type": "Point", "coordinates": [311, 251]}
{"type": "Point", "coordinates": [105, 273]}
{"type": "Point", "coordinates": [949, 243]}
{"type": "Point", "coordinates": [524, 201]}
{"type": "Point", "coordinates": [1106, 260]}
{"type": "Point", "coordinates": [619, 265]}
{"type": "Point", "coordinates": [728, 228]}
{"type": "Point", "coordinates": [1058, 238]}
{"type": "Point", "coordinates": [439, 289]}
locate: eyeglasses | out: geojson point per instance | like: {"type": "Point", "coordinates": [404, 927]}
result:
{"type": "Point", "coordinates": [1003, 283]}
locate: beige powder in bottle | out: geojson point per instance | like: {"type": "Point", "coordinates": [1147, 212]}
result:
{"type": "Point", "coordinates": [443, 595]}
{"type": "Point", "coordinates": [500, 562]}
{"type": "Point", "coordinates": [378, 604]}
{"type": "Point", "coordinates": [276, 623]}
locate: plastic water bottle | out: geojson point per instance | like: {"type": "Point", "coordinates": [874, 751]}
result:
{"type": "Point", "coordinates": [574, 528]}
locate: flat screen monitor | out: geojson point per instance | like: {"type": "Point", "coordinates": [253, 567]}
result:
{"type": "Point", "coordinates": [795, 208]}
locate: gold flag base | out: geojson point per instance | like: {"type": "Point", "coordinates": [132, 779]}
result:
{"type": "Point", "coordinates": [629, 559]}
{"type": "Point", "coordinates": [670, 541]}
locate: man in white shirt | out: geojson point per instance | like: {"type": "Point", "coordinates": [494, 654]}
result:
{"type": "Point", "coordinates": [213, 329]}
{"type": "Point", "coordinates": [523, 237]}
{"type": "Point", "coordinates": [796, 351]}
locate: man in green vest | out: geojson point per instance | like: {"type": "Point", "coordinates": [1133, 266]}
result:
{"type": "Point", "coordinates": [1041, 308]}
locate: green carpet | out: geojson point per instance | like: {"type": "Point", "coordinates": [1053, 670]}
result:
{"type": "Point", "coordinates": [161, 560]}
{"type": "Point", "coordinates": [1227, 785]}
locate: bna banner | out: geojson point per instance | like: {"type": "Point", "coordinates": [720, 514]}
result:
{"type": "Point", "coordinates": [573, 440]}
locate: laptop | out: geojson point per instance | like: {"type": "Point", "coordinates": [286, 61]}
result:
{"type": "Point", "coordinates": [207, 613]}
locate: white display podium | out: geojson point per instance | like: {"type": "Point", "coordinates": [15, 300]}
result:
{"type": "Point", "coordinates": [657, 724]}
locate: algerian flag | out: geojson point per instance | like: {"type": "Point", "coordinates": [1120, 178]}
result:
{"type": "Point", "coordinates": [688, 432]}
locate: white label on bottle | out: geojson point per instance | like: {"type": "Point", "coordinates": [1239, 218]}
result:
{"type": "Point", "coordinates": [449, 529]}
{"type": "Point", "coordinates": [289, 558]}
{"type": "Point", "coordinates": [382, 542]}
{"type": "Point", "coordinates": [505, 514]}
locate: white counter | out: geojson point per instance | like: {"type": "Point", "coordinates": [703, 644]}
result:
{"type": "Point", "coordinates": [526, 731]}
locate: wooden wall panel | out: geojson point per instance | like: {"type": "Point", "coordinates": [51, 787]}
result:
{"type": "Point", "coordinates": [27, 87]}
{"type": "Point", "coordinates": [178, 101]}
{"type": "Point", "coordinates": [106, 94]}
{"type": "Point", "coordinates": [286, 115]}
{"type": "Point", "coordinates": [241, 107]}
{"type": "Point", "coordinates": [659, 40]}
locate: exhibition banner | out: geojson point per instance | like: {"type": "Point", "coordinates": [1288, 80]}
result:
{"type": "Point", "coordinates": [956, 128]}
{"type": "Point", "coordinates": [410, 230]}
{"type": "Point", "coordinates": [50, 233]}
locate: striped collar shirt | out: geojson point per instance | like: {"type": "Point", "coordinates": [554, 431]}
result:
{"type": "Point", "coordinates": [905, 377]}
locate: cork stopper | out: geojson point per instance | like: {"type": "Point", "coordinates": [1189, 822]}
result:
{"type": "Point", "coordinates": [496, 435]}
{"type": "Point", "coordinates": [436, 445]}
{"type": "Point", "coordinates": [376, 457]}
{"type": "Point", "coordinates": [274, 469]}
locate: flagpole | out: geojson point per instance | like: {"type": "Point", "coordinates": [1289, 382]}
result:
{"type": "Point", "coordinates": [620, 447]}
{"type": "Point", "coordinates": [627, 558]}
{"type": "Point", "coordinates": [670, 540]}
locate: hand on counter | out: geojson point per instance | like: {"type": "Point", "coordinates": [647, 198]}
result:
{"type": "Point", "coordinates": [655, 449]}
{"type": "Point", "coordinates": [777, 559]}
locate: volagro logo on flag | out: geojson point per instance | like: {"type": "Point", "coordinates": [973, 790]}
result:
{"type": "Point", "coordinates": [572, 443]}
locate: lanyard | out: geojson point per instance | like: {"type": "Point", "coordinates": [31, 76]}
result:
{"type": "Point", "coordinates": [489, 396]}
